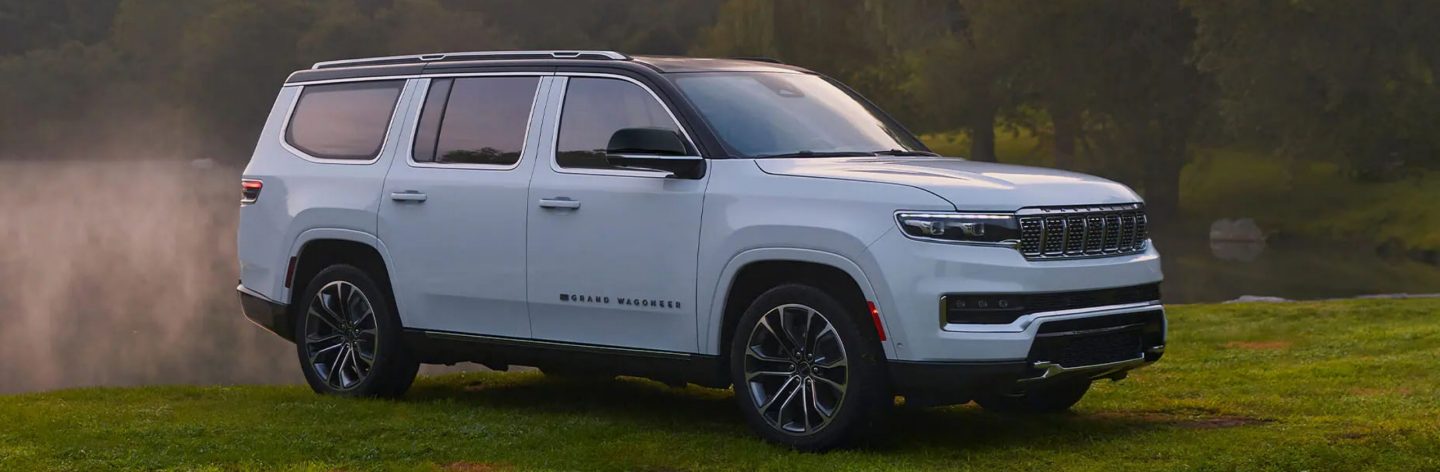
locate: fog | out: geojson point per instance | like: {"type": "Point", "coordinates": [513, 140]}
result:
{"type": "Point", "coordinates": [123, 273]}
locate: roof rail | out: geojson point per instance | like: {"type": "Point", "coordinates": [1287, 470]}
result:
{"type": "Point", "coordinates": [759, 59]}
{"type": "Point", "coordinates": [471, 56]}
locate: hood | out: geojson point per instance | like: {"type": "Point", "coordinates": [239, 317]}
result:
{"type": "Point", "coordinates": [970, 186]}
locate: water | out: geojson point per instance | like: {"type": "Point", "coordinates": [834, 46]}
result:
{"type": "Point", "coordinates": [123, 273]}
{"type": "Point", "coordinates": [1199, 271]}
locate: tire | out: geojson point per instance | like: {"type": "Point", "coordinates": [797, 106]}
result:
{"type": "Point", "coordinates": [332, 351]}
{"type": "Point", "coordinates": [843, 370]}
{"type": "Point", "coordinates": [1048, 399]}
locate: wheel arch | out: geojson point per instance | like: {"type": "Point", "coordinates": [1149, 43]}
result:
{"type": "Point", "coordinates": [319, 248]}
{"type": "Point", "coordinates": [749, 273]}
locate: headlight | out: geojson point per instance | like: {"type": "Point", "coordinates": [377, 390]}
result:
{"type": "Point", "coordinates": [980, 228]}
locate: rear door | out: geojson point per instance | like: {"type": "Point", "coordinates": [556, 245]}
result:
{"type": "Point", "coordinates": [612, 253]}
{"type": "Point", "coordinates": [454, 205]}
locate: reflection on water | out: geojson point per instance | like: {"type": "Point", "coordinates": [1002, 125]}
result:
{"type": "Point", "coordinates": [1199, 270]}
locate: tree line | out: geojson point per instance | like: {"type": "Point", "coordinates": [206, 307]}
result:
{"type": "Point", "coordinates": [1126, 88]}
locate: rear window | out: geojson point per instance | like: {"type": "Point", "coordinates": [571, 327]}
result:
{"type": "Point", "coordinates": [343, 121]}
{"type": "Point", "coordinates": [478, 120]}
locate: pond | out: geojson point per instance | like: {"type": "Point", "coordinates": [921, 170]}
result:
{"type": "Point", "coordinates": [1198, 270]}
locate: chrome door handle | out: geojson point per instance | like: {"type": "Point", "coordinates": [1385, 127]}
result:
{"type": "Point", "coordinates": [560, 203]}
{"type": "Point", "coordinates": [408, 196]}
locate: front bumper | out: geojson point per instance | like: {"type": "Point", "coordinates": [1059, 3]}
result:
{"type": "Point", "coordinates": [933, 357]}
{"type": "Point", "coordinates": [914, 275]}
{"type": "Point", "coordinates": [269, 314]}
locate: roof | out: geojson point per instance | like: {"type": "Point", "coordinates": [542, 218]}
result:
{"type": "Point", "coordinates": [680, 64]}
{"type": "Point", "coordinates": [424, 63]}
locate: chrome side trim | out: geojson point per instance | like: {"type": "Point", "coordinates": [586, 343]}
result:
{"type": "Point", "coordinates": [505, 340]}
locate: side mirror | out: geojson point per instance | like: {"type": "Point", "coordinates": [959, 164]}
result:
{"type": "Point", "coordinates": [653, 149]}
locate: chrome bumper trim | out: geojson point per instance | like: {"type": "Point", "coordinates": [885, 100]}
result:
{"type": "Point", "coordinates": [1097, 371]}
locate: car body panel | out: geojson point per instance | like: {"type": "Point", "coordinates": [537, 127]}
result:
{"type": "Point", "coordinates": [460, 253]}
{"type": "Point", "coordinates": [971, 186]}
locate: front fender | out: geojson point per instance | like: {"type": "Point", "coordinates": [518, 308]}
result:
{"type": "Point", "coordinates": [711, 317]}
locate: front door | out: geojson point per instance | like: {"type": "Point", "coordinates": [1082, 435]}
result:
{"type": "Point", "coordinates": [452, 213]}
{"type": "Point", "coordinates": [612, 252]}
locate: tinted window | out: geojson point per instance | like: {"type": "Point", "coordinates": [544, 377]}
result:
{"type": "Point", "coordinates": [595, 109]}
{"type": "Point", "coordinates": [343, 121]}
{"type": "Point", "coordinates": [427, 132]}
{"type": "Point", "coordinates": [760, 114]}
{"type": "Point", "coordinates": [479, 120]}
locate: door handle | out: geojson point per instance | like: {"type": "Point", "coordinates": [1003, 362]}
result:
{"type": "Point", "coordinates": [408, 196]}
{"type": "Point", "coordinates": [560, 203]}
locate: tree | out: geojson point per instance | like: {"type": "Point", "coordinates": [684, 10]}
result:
{"type": "Point", "coordinates": [1353, 82]}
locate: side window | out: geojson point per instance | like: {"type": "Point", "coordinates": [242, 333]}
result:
{"type": "Point", "coordinates": [478, 120]}
{"type": "Point", "coordinates": [595, 108]}
{"type": "Point", "coordinates": [343, 121]}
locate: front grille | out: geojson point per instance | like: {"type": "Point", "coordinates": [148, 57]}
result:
{"type": "Point", "coordinates": [1099, 340]}
{"type": "Point", "coordinates": [1081, 351]}
{"type": "Point", "coordinates": [1088, 231]}
{"type": "Point", "coordinates": [1005, 308]}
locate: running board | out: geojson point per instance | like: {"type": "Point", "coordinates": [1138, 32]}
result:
{"type": "Point", "coordinates": [445, 347]}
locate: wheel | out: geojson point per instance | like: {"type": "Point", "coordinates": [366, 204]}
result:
{"type": "Point", "coordinates": [349, 340]}
{"type": "Point", "coordinates": [1045, 399]}
{"type": "Point", "coordinates": [808, 373]}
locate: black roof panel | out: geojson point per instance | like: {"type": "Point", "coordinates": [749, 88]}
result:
{"type": "Point", "coordinates": [680, 64]}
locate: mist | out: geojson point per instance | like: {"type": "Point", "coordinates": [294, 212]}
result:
{"type": "Point", "coordinates": [123, 273]}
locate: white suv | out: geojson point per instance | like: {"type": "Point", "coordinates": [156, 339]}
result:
{"type": "Point", "coordinates": [711, 221]}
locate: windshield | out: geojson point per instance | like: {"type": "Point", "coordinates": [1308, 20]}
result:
{"type": "Point", "coordinates": [767, 114]}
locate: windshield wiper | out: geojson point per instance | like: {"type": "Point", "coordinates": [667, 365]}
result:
{"type": "Point", "coordinates": [818, 154]}
{"type": "Point", "coordinates": [902, 152]}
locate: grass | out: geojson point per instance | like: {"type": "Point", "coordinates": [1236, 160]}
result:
{"type": "Point", "coordinates": [1342, 385]}
{"type": "Point", "coordinates": [1312, 200]}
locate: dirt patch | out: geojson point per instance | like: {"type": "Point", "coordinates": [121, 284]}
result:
{"type": "Point", "coordinates": [1259, 345]}
{"type": "Point", "coordinates": [1380, 392]}
{"type": "Point", "coordinates": [1216, 422]}
{"type": "Point", "coordinates": [1190, 419]}
{"type": "Point", "coordinates": [463, 466]}
{"type": "Point", "coordinates": [1350, 436]}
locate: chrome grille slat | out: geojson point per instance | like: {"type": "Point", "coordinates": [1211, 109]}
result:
{"type": "Point", "coordinates": [1084, 231]}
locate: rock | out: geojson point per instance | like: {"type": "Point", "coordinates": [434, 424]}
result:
{"type": "Point", "coordinates": [1241, 229]}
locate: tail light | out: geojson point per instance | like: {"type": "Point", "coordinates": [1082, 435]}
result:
{"type": "Point", "coordinates": [250, 190]}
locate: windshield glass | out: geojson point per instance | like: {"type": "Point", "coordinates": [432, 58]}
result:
{"type": "Point", "coordinates": [766, 114]}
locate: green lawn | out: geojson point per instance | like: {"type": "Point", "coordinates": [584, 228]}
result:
{"type": "Point", "coordinates": [1344, 385]}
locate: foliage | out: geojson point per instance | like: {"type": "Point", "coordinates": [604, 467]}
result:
{"type": "Point", "coordinates": [1126, 88]}
{"type": "Point", "coordinates": [1325, 386]}
{"type": "Point", "coordinates": [1349, 82]}
{"type": "Point", "coordinates": [210, 68]}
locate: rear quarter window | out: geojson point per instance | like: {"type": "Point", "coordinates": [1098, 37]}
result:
{"type": "Point", "coordinates": [343, 121]}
